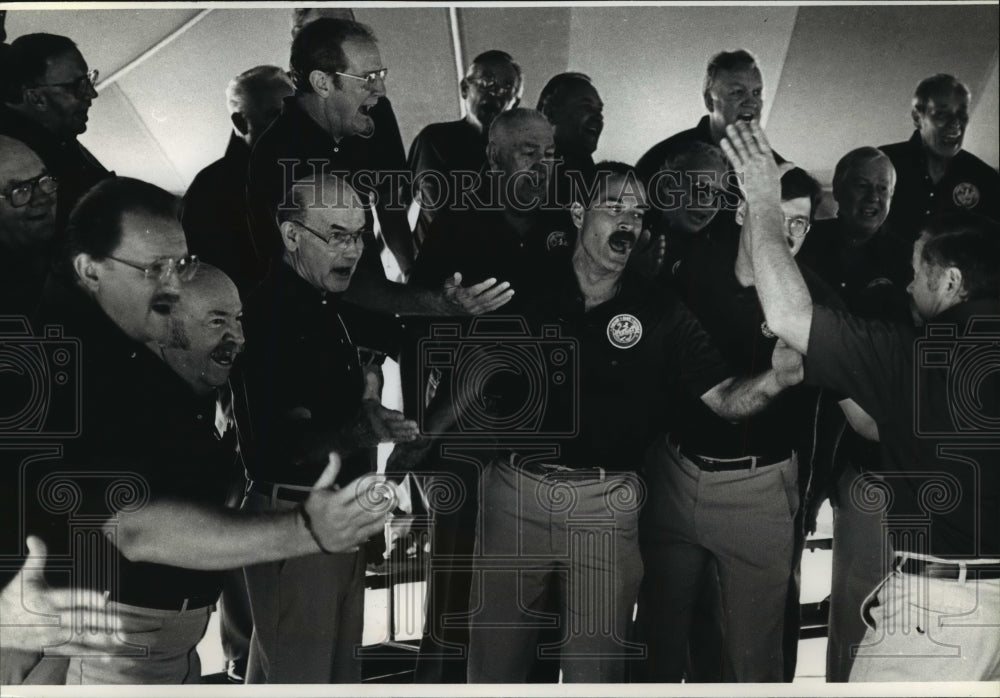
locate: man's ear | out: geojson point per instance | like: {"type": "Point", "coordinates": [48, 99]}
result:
{"type": "Point", "coordinates": [916, 118]}
{"type": "Point", "coordinates": [493, 155]}
{"type": "Point", "coordinates": [240, 123]}
{"type": "Point", "coordinates": [576, 211]}
{"type": "Point", "coordinates": [289, 235]}
{"type": "Point", "coordinates": [321, 82]}
{"type": "Point", "coordinates": [708, 102]}
{"type": "Point", "coordinates": [34, 97]}
{"type": "Point", "coordinates": [87, 271]}
{"type": "Point", "coordinates": [952, 277]}
{"type": "Point", "coordinates": [464, 88]}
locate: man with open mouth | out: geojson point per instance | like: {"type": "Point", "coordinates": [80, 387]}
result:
{"type": "Point", "coordinates": [574, 108]}
{"type": "Point", "coordinates": [307, 396]}
{"type": "Point", "coordinates": [935, 175]}
{"type": "Point", "coordinates": [638, 347]}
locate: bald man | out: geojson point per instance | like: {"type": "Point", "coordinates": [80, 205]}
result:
{"type": "Point", "coordinates": [215, 209]}
{"type": "Point", "coordinates": [27, 226]}
{"type": "Point", "coordinates": [306, 398]}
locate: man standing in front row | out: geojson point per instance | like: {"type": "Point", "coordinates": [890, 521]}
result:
{"type": "Point", "coordinates": [935, 401]}
{"type": "Point", "coordinates": [634, 340]}
{"type": "Point", "coordinates": [307, 397]}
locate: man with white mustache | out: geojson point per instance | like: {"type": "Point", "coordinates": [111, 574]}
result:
{"type": "Point", "coordinates": [935, 175]}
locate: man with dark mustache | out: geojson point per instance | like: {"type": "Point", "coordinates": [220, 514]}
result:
{"type": "Point", "coordinates": [934, 174]}
{"type": "Point", "coordinates": [492, 85]}
{"type": "Point", "coordinates": [161, 543]}
{"type": "Point", "coordinates": [637, 347]}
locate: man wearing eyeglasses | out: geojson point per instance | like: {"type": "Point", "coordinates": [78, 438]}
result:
{"type": "Point", "coordinates": [27, 226]}
{"type": "Point", "coordinates": [492, 84]}
{"type": "Point", "coordinates": [934, 174]}
{"type": "Point", "coordinates": [147, 465]}
{"type": "Point", "coordinates": [307, 396]}
{"type": "Point", "coordinates": [49, 91]}
{"type": "Point", "coordinates": [727, 492]}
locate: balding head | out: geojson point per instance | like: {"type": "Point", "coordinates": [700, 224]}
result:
{"type": "Point", "coordinates": [254, 99]}
{"type": "Point", "coordinates": [521, 148]}
{"type": "Point", "coordinates": [22, 174]}
{"type": "Point", "coordinates": [321, 230]}
{"type": "Point", "coordinates": [206, 333]}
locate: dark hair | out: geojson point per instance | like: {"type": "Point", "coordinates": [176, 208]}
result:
{"type": "Point", "coordinates": [727, 60]}
{"type": "Point", "coordinates": [942, 83]}
{"type": "Point", "coordinates": [319, 46]}
{"type": "Point", "coordinates": [550, 97]}
{"type": "Point", "coordinates": [26, 60]}
{"type": "Point", "coordinates": [496, 56]}
{"type": "Point", "coordinates": [971, 243]}
{"type": "Point", "coordinates": [95, 224]}
{"type": "Point", "coordinates": [797, 183]}
{"type": "Point", "coordinates": [607, 170]}
{"type": "Point", "coordinates": [681, 153]}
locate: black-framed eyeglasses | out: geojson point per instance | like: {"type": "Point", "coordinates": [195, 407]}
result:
{"type": "Point", "coordinates": [20, 193]}
{"type": "Point", "coordinates": [370, 78]}
{"type": "Point", "coordinates": [337, 239]}
{"type": "Point", "coordinates": [162, 268]}
{"type": "Point", "coordinates": [797, 226]}
{"type": "Point", "coordinates": [81, 87]}
{"type": "Point", "coordinates": [493, 87]}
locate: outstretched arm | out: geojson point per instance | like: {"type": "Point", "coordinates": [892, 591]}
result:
{"type": "Point", "coordinates": [738, 398]}
{"type": "Point", "coordinates": [780, 286]}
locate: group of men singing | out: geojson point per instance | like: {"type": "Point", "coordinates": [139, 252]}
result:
{"type": "Point", "coordinates": [639, 382]}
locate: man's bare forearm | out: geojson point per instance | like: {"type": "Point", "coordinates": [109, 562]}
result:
{"type": "Point", "coordinates": [736, 399]}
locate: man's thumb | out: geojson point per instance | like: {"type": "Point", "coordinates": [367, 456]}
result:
{"type": "Point", "coordinates": [330, 473]}
{"type": "Point", "coordinates": [34, 564]}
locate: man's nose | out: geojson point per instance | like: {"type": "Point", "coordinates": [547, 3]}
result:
{"type": "Point", "coordinates": [236, 332]}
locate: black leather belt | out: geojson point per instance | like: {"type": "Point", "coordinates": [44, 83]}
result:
{"type": "Point", "coordinates": [289, 493]}
{"type": "Point", "coordinates": [718, 465]}
{"type": "Point", "coordinates": [563, 473]}
{"type": "Point", "coordinates": [166, 602]}
{"type": "Point", "coordinates": [949, 570]}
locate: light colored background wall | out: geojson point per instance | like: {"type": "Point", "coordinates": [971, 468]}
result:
{"type": "Point", "coordinates": [835, 77]}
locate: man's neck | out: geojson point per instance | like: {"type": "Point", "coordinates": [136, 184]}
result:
{"type": "Point", "coordinates": [598, 285]}
{"type": "Point", "coordinates": [936, 165]}
{"type": "Point", "coordinates": [855, 237]}
{"type": "Point", "coordinates": [312, 105]}
{"type": "Point", "coordinates": [520, 222]}
{"type": "Point", "coordinates": [29, 114]}
{"type": "Point", "coordinates": [717, 130]}
{"type": "Point", "coordinates": [472, 121]}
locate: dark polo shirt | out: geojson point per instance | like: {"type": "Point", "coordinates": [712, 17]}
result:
{"type": "Point", "coordinates": [968, 184]}
{"type": "Point", "coordinates": [303, 380]}
{"type": "Point", "coordinates": [72, 164]}
{"type": "Point", "coordinates": [143, 434]}
{"type": "Point", "coordinates": [940, 458]}
{"type": "Point", "coordinates": [633, 353]}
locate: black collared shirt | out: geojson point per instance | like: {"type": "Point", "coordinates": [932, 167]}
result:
{"type": "Point", "coordinates": [72, 164]}
{"type": "Point", "coordinates": [939, 453]}
{"type": "Point", "coordinates": [968, 184]}
{"type": "Point", "coordinates": [635, 353]}
{"type": "Point", "coordinates": [143, 433]}
{"type": "Point", "coordinates": [870, 276]}
{"type": "Point", "coordinates": [732, 316]}
{"type": "Point", "coordinates": [304, 382]}
{"type": "Point", "coordinates": [215, 216]}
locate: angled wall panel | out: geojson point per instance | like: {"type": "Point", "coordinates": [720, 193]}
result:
{"type": "Point", "coordinates": [648, 64]}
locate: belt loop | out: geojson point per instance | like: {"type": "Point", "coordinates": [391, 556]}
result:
{"type": "Point", "coordinates": [603, 474]}
{"type": "Point", "coordinates": [753, 464]}
{"type": "Point", "coordinates": [273, 503]}
{"type": "Point", "coordinates": [184, 606]}
{"type": "Point", "coordinates": [963, 571]}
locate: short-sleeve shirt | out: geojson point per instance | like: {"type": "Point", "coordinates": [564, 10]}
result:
{"type": "Point", "coordinates": [933, 404]}
{"type": "Point", "coordinates": [636, 351]}
{"type": "Point", "coordinates": [968, 184]}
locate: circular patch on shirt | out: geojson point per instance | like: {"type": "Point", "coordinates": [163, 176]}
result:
{"type": "Point", "coordinates": [766, 331]}
{"type": "Point", "coordinates": [557, 238]}
{"type": "Point", "coordinates": [624, 331]}
{"type": "Point", "coordinates": [965, 194]}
